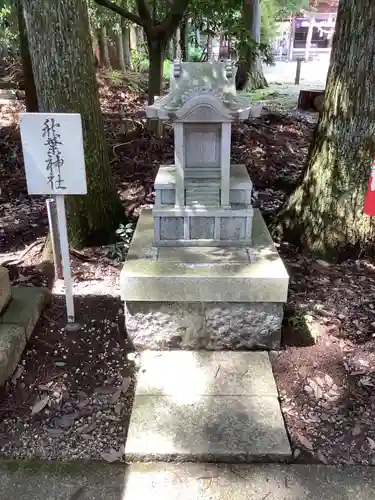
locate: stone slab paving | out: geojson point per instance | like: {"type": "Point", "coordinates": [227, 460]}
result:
{"type": "Point", "coordinates": [206, 406]}
{"type": "Point", "coordinates": [184, 482]}
{"type": "Point", "coordinates": [17, 323]}
{"type": "Point", "coordinates": [4, 288]}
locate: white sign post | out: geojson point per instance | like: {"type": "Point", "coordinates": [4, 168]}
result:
{"type": "Point", "coordinates": [53, 153]}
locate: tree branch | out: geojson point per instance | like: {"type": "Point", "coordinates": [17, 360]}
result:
{"type": "Point", "coordinates": [173, 18]}
{"type": "Point", "coordinates": [114, 7]}
{"type": "Point", "coordinates": [144, 14]}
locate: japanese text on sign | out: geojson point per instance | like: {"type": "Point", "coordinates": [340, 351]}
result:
{"type": "Point", "coordinates": [52, 146]}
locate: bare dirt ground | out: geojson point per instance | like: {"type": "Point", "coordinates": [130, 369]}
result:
{"type": "Point", "coordinates": [71, 395]}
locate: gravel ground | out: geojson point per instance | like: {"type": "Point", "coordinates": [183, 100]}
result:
{"type": "Point", "coordinates": [71, 395]}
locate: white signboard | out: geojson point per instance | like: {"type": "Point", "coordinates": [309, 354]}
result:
{"type": "Point", "coordinates": [52, 146]}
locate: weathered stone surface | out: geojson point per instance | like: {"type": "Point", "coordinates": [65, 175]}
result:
{"type": "Point", "coordinates": [206, 428]}
{"type": "Point", "coordinates": [146, 276]}
{"type": "Point", "coordinates": [25, 308]}
{"type": "Point", "coordinates": [162, 325]}
{"type": "Point", "coordinates": [243, 326]}
{"type": "Point", "coordinates": [4, 288]}
{"type": "Point", "coordinates": [160, 481]}
{"type": "Point", "coordinates": [205, 372]}
{"type": "Point", "coordinates": [196, 325]}
{"type": "Point", "coordinates": [12, 344]}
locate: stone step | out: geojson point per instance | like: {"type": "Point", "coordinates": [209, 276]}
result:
{"type": "Point", "coordinates": [4, 288]}
{"type": "Point", "coordinates": [209, 173]}
{"type": "Point", "coordinates": [26, 480]}
{"type": "Point", "coordinates": [201, 406]}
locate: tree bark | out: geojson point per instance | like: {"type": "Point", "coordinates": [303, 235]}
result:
{"type": "Point", "coordinates": [120, 51]}
{"type": "Point", "coordinates": [176, 39]}
{"type": "Point", "coordinates": [209, 46]}
{"type": "Point", "coordinates": [156, 50]}
{"type": "Point", "coordinates": [103, 48]}
{"type": "Point", "coordinates": [126, 45]}
{"type": "Point", "coordinates": [184, 38]}
{"type": "Point", "coordinates": [28, 76]}
{"type": "Point", "coordinates": [324, 213]}
{"type": "Point", "coordinates": [63, 63]}
{"type": "Point", "coordinates": [250, 73]}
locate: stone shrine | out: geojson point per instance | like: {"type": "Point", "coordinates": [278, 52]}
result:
{"type": "Point", "coordinates": [202, 199]}
{"type": "Point", "coordinates": [202, 271]}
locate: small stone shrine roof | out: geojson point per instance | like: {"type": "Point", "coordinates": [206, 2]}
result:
{"type": "Point", "coordinates": [201, 84]}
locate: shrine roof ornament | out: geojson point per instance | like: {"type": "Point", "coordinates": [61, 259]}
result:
{"type": "Point", "coordinates": [211, 84]}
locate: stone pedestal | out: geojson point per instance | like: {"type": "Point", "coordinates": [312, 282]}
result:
{"type": "Point", "coordinates": [203, 297]}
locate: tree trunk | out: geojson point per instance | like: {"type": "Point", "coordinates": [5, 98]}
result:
{"type": "Point", "coordinates": [176, 40]}
{"type": "Point", "coordinates": [209, 47]}
{"type": "Point", "coordinates": [120, 51]}
{"type": "Point", "coordinates": [28, 76]}
{"type": "Point", "coordinates": [324, 213]}
{"type": "Point", "coordinates": [184, 38]}
{"type": "Point", "coordinates": [63, 63]}
{"type": "Point", "coordinates": [103, 48]}
{"type": "Point", "coordinates": [156, 50]}
{"type": "Point", "coordinates": [250, 73]}
{"type": "Point", "coordinates": [126, 45]}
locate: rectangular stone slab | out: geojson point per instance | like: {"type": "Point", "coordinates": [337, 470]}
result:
{"type": "Point", "coordinates": [205, 373]}
{"type": "Point", "coordinates": [25, 307]}
{"type": "Point", "coordinates": [4, 288]}
{"type": "Point", "coordinates": [206, 428]}
{"type": "Point", "coordinates": [12, 344]}
{"type": "Point", "coordinates": [147, 277]}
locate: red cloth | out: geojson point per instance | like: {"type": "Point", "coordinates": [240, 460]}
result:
{"type": "Point", "coordinates": [369, 204]}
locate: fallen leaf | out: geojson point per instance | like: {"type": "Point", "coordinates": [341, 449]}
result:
{"type": "Point", "coordinates": [304, 441]}
{"type": "Point", "coordinates": [323, 263]}
{"type": "Point", "coordinates": [66, 421]}
{"type": "Point", "coordinates": [115, 397]}
{"type": "Point", "coordinates": [16, 375]}
{"type": "Point", "coordinates": [59, 363]}
{"type": "Point", "coordinates": [112, 455]}
{"type": "Point", "coordinates": [54, 432]}
{"type": "Point", "coordinates": [356, 431]}
{"type": "Point", "coordinates": [125, 384]}
{"type": "Point", "coordinates": [106, 390]}
{"type": "Point", "coordinates": [371, 442]}
{"type": "Point", "coordinates": [40, 405]}
{"type": "Point", "coordinates": [320, 456]}
{"type": "Point", "coordinates": [86, 429]}
{"type": "Point", "coordinates": [118, 408]}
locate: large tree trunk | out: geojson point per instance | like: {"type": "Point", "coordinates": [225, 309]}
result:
{"type": "Point", "coordinates": [250, 74]}
{"type": "Point", "coordinates": [126, 45]}
{"type": "Point", "coordinates": [156, 50]}
{"type": "Point", "coordinates": [103, 48]}
{"type": "Point", "coordinates": [63, 64]}
{"type": "Point", "coordinates": [120, 51]}
{"type": "Point", "coordinates": [28, 76]}
{"type": "Point", "coordinates": [324, 213]}
{"type": "Point", "coordinates": [184, 38]}
{"type": "Point", "coordinates": [176, 40]}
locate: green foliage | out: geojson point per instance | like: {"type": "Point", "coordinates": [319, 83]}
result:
{"type": "Point", "coordinates": [139, 62]}
{"type": "Point", "coordinates": [118, 250]}
{"type": "Point", "coordinates": [195, 53]}
{"type": "Point", "coordinates": [8, 27]}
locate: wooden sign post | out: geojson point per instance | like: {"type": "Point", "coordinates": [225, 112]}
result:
{"type": "Point", "coordinates": [53, 153]}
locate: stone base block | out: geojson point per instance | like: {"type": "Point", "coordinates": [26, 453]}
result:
{"type": "Point", "coordinates": [205, 227]}
{"type": "Point", "coordinates": [203, 325]}
{"type": "Point", "coordinates": [4, 288]}
{"type": "Point", "coordinates": [240, 186]}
